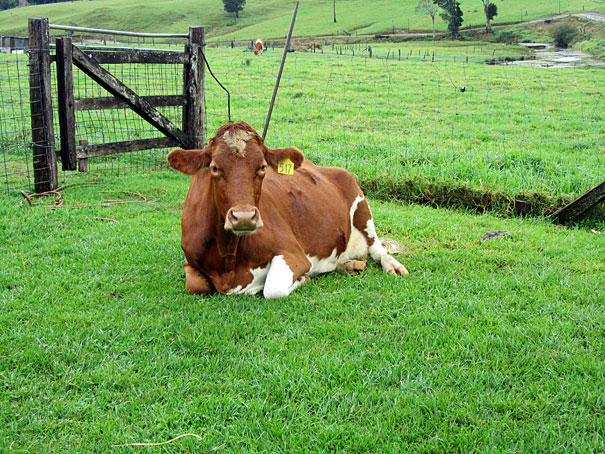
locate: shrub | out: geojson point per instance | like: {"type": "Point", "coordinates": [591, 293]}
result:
{"type": "Point", "coordinates": [563, 34]}
{"type": "Point", "coordinates": [595, 47]}
{"type": "Point", "coordinates": [505, 36]}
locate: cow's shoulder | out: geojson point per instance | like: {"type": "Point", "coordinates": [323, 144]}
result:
{"type": "Point", "coordinates": [333, 178]}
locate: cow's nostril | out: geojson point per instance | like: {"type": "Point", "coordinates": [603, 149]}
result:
{"type": "Point", "coordinates": [254, 218]}
{"type": "Point", "coordinates": [232, 217]}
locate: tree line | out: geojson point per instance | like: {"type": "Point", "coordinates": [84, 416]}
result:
{"type": "Point", "coordinates": [8, 4]}
{"type": "Point", "coordinates": [452, 13]}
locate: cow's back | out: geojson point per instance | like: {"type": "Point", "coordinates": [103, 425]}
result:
{"type": "Point", "coordinates": [313, 204]}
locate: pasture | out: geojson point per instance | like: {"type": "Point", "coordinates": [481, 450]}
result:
{"type": "Point", "coordinates": [270, 18]}
{"type": "Point", "coordinates": [425, 125]}
{"type": "Point", "coordinates": [486, 347]}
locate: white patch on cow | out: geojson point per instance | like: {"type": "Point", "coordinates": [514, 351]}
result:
{"type": "Point", "coordinates": [323, 265]}
{"type": "Point", "coordinates": [377, 250]}
{"type": "Point", "coordinates": [357, 247]}
{"type": "Point", "coordinates": [237, 140]}
{"type": "Point", "coordinates": [280, 279]}
{"type": "Point", "coordinates": [259, 276]}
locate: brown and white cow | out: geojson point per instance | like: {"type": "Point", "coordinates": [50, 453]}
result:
{"type": "Point", "coordinates": [259, 46]}
{"type": "Point", "coordinates": [246, 227]}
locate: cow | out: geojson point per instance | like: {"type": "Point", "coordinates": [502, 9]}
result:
{"type": "Point", "coordinates": [313, 46]}
{"type": "Point", "coordinates": [265, 219]}
{"type": "Point", "coordinates": [259, 46]}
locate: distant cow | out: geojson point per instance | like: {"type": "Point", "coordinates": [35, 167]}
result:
{"type": "Point", "coordinates": [313, 46]}
{"type": "Point", "coordinates": [257, 218]}
{"type": "Point", "coordinates": [259, 46]}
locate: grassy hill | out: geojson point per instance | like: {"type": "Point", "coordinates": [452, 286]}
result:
{"type": "Point", "coordinates": [270, 18]}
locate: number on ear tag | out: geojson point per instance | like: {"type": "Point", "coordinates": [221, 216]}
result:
{"type": "Point", "coordinates": [285, 167]}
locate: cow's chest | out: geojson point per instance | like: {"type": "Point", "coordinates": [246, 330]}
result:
{"type": "Point", "coordinates": [240, 275]}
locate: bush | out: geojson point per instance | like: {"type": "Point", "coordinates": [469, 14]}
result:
{"type": "Point", "coordinates": [595, 47]}
{"type": "Point", "coordinates": [505, 36]}
{"type": "Point", "coordinates": [563, 34]}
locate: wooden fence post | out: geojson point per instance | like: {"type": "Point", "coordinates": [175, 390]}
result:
{"type": "Point", "coordinates": [65, 98]}
{"type": "Point", "coordinates": [194, 89]}
{"type": "Point", "coordinates": [43, 136]}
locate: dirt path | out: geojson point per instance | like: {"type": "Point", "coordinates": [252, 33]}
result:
{"type": "Point", "coordinates": [598, 17]}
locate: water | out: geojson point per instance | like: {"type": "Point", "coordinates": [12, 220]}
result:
{"type": "Point", "coordinates": [547, 55]}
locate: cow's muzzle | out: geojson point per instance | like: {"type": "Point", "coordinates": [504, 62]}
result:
{"type": "Point", "coordinates": [243, 220]}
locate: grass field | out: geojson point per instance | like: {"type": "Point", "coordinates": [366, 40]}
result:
{"type": "Point", "coordinates": [486, 347]}
{"type": "Point", "coordinates": [437, 125]}
{"type": "Point", "coordinates": [270, 18]}
{"type": "Point", "coordinates": [499, 129]}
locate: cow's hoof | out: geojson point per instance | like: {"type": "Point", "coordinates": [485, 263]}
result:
{"type": "Point", "coordinates": [402, 270]}
{"type": "Point", "coordinates": [352, 266]}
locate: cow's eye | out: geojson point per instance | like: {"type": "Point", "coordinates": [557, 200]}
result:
{"type": "Point", "coordinates": [214, 169]}
{"type": "Point", "coordinates": [263, 167]}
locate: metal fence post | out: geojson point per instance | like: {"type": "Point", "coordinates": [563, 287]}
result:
{"type": "Point", "coordinates": [43, 135]}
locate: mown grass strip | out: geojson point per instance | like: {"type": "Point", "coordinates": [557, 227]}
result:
{"type": "Point", "coordinates": [488, 346]}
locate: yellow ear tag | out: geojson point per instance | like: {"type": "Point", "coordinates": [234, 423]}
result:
{"type": "Point", "coordinates": [285, 167]}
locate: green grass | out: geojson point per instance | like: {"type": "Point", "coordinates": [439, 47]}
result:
{"type": "Point", "coordinates": [486, 347]}
{"type": "Point", "coordinates": [270, 18]}
{"type": "Point", "coordinates": [404, 127]}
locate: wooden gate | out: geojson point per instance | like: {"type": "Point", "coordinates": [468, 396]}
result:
{"type": "Point", "coordinates": [89, 60]}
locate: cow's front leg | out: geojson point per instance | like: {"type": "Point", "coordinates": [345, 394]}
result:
{"type": "Point", "coordinates": [286, 273]}
{"type": "Point", "coordinates": [195, 282]}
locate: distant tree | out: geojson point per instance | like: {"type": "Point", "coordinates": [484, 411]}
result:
{"type": "Point", "coordinates": [430, 9]}
{"type": "Point", "coordinates": [7, 4]}
{"type": "Point", "coordinates": [452, 14]}
{"type": "Point", "coordinates": [563, 34]}
{"type": "Point", "coordinates": [490, 10]}
{"type": "Point", "coordinates": [234, 6]}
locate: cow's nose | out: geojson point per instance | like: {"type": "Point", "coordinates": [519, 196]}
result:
{"type": "Point", "coordinates": [243, 220]}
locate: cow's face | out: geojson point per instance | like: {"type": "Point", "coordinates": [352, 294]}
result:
{"type": "Point", "coordinates": [238, 161]}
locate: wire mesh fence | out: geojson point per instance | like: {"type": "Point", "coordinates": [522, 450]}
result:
{"type": "Point", "coordinates": [100, 126]}
{"type": "Point", "coordinates": [415, 123]}
{"type": "Point", "coordinates": [15, 123]}
{"type": "Point", "coordinates": [425, 123]}
{"type": "Point", "coordinates": [93, 127]}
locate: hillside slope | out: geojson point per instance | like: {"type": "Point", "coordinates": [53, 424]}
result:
{"type": "Point", "coordinates": [270, 18]}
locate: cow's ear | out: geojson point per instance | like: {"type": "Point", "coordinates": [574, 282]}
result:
{"type": "Point", "coordinates": [274, 156]}
{"type": "Point", "coordinates": [188, 162]}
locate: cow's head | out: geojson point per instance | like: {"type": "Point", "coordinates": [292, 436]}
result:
{"type": "Point", "coordinates": [237, 160]}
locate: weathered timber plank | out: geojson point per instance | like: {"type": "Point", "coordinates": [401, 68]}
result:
{"type": "Point", "coordinates": [65, 98]}
{"type": "Point", "coordinates": [83, 162]}
{"type": "Point", "coordinates": [105, 149]}
{"type": "Point", "coordinates": [114, 86]}
{"type": "Point", "coordinates": [40, 93]}
{"type": "Point", "coordinates": [135, 56]}
{"type": "Point", "coordinates": [583, 203]}
{"type": "Point", "coordinates": [108, 102]}
{"type": "Point", "coordinates": [193, 88]}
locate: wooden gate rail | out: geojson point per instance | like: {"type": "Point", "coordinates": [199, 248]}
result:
{"type": "Point", "coordinates": [105, 149]}
{"type": "Point", "coordinates": [88, 60]}
{"type": "Point", "coordinates": [107, 102]}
